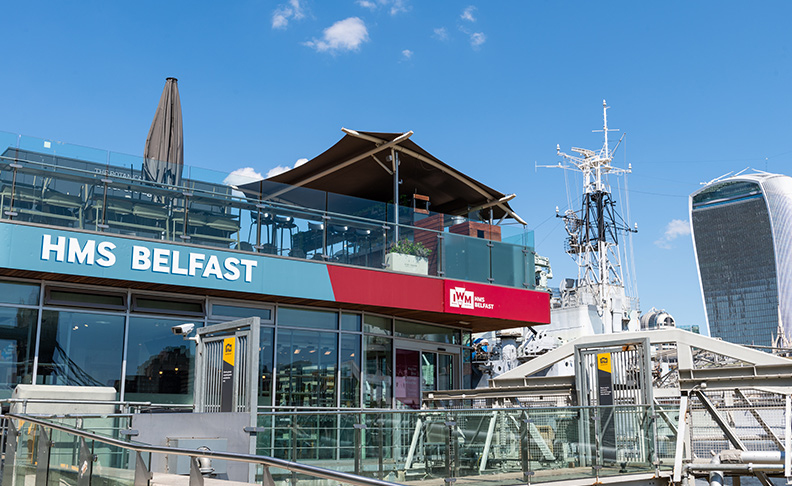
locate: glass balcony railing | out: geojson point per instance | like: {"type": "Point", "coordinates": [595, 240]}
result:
{"type": "Point", "coordinates": [500, 446]}
{"type": "Point", "coordinates": [505, 446]}
{"type": "Point", "coordinates": [64, 185]}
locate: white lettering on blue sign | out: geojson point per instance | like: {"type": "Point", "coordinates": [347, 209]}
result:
{"type": "Point", "coordinates": [160, 260]}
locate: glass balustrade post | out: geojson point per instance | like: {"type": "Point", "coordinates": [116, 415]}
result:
{"type": "Point", "coordinates": [525, 451]}
{"type": "Point", "coordinates": [380, 447]}
{"type": "Point", "coordinates": [11, 213]}
{"type": "Point", "coordinates": [358, 445]}
{"type": "Point", "coordinates": [184, 236]}
{"type": "Point", "coordinates": [84, 464]}
{"type": "Point", "coordinates": [9, 463]}
{"type": "Point", "coordinates": [103, 225]}
{"type": "Point", "coordinates": [293, 447]}
{"type": "Point", "coordinates": [42, 457]}
{"type": "Point", "coordinates": [142, 473]}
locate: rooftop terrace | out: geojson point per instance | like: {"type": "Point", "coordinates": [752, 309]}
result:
{"type": "Point", "coordinates": [52, 183]}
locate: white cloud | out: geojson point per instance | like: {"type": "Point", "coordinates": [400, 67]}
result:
{"type": "Point", "coordinates": [282, 14]}
{"type": "Point", "coordinates": [242, 176]}
{"type": "Point", "coordinates": [394, 6]}
{"type": "Point", "coordinates": [467, 14]}
{"type": "Point", "coordinates": [344, 35]}
{"type": "Point", "coordinates": [441, 33]}
{"type": "Point", "coordinates": [674, 229]}
{"type": "Point", "coordinates": [407, 54]}
{"type": "Point", "coordinates": [477, 38]}
{"type": "Point", "coordinates": [399, 6]}
{"type": "Point", "coordinates": [280, 169]}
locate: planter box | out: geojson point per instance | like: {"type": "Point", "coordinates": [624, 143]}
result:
{"type": "Point", "coordinates": [407, 263]}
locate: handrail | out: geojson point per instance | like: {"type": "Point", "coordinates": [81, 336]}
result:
{"type": "Point", "coordinates": [229, 456]}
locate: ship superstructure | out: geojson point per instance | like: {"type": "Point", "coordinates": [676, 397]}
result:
{"type": "Point", "coordinates": [597, 301]}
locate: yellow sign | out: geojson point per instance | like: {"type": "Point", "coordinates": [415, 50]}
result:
{"type": "Point", "coordinates": [604, 362]}
{"type": "Point", "coordinates": [229, 345]}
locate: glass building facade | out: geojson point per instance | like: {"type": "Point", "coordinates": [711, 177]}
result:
{"type": "Point", "coordinates": [308, 357]}
{"type": "Point", "coordinates": [740, 233]}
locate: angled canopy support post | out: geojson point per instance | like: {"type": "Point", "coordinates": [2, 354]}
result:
{"type": "Point", "coordinates": [340, 166]}
{"type": "Point", "coordinates": [434, 164]}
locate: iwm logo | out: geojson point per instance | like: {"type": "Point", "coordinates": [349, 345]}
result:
{"type": "Point", "coordinates": [461, 298]}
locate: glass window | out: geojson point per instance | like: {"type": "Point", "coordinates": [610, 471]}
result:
{"type": "Point", "coordinates": [350, 322]}
{"type": "Point", "coordinates": [445, 372]}
{"type": "Point", "coordinates": [377, 386]}
{"type": "Point", "coordinates": [315, 319]}
{"type": "Point", "coordinates": [17, 344]}
{"type": "Point", "coordinates": [378, 325]}
{"type": "Point", "coordinates": [160, 365]}
{"type": "Point", "coordinates": [467, 370]}
{"type": "Point", "coordinates": [349, 375]}
{"type": "Point", "coordinates": [306, 368]}
{"type": "Point", "coordinates": [426, 332]}
{"type": "Point", "coordinates": [85, 298]}
{"type": "Point", "coordinates": [428, 366]}
{"type": "Point", "coordinates": [241, 312]}
{"type": "Point", "coordinates": [19, 293]}
{"type": "Point", "coordinates": [80, 349]}
{"type": "Point", "coordinates": [266, 351]}
{"type": "Point", "coordinates": [164, 306]}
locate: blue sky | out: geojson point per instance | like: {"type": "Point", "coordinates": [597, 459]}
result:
{"type": "Point", "coordinates": [700, 88]}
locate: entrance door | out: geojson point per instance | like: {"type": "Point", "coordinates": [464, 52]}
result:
{"type": "Point", "coordinates": [408, 379]}
{"type": "Point", "coordinates": [418, 371]}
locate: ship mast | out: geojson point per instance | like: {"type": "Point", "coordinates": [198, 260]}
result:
{"type": "Point", "coordinates": [593, 230]}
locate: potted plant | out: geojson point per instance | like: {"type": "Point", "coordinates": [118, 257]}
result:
{"type": "Point", "coordinates": [408, 256]}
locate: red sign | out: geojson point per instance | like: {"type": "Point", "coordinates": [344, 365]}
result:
{"type": "Point", "coordinates": [497, 302]}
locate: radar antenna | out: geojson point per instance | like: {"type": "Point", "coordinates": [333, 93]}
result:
{"type": "Point", "coordinates": [593, 230]}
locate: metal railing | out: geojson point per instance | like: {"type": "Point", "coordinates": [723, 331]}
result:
{"type": "Point", "coordinates": [41, 185]}
{"type": "Point", "coordinates": [30, 452]}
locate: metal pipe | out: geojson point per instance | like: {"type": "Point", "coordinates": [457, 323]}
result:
{"type": "Point", "coordinates": [733, 468]}
{"type": "Point", "coordinates": [229, 456]}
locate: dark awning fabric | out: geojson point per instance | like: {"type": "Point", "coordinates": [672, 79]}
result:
{"type": "Point", "coordinates": [449, 191]}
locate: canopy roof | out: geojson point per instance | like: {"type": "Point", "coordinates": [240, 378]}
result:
{"type": "Point", "coordinates": [358, 165]}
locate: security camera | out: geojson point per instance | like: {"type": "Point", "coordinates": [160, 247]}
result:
{"type": "Point", "coordinates": [183, 329]}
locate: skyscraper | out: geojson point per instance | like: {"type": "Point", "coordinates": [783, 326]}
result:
{"type": "Point", "coordinates": [742, 235]}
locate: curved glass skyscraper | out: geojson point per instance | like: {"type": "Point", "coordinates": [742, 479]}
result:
{"type": "Point", "coordinates": [742, 235]}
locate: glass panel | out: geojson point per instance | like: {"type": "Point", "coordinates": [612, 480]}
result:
{"type": "Point", "coordinates": [168, 306]}
{"type": "Point", "coordinates": [160, 365]}
{"type": "Point", "coordinates": [266, 356]}
{"type": "Point", "coordinates": [356, 242]}
{"type": "Point", "coordinates": [306, 368]}
{"type": "Point", "coordinates": [378, 325]}
{"type": "Point", "coordinates": [241, 312]}
{"type": "Point", "coordinates": [113, 465]}
{"type": "Point", "coordinates": [349, 375]}
{"type": "Point", "coordinates": [350, 322]}
{"type": "Point", "coordinates": [26, 454]}
{"type": "Point", "coordinates": [314, 319]}
{"type": "Point", "coordinates": [19, 293]}
{"type": "Point", "coordinates": [466, 258]}
{"type": "Point", "coordinates": [445, 372]}
{"type": "Point", "coordinates": [377, 387]}
{"type": "Point", "coordinates": [508, 265]}
{"type": "Point", "coordinates": [86, 299]}
{"type": "Point", "coordinates": [467, 370]}
{"type": "Point", "coordinates": [80, 349]}
{"type": "Point", "coordinates": [428, 367]}
{"type": "Point", "coordinates": [17, 344]}
{"type": "Point", "coordinates": [407, 387]}
{"type": "Point", "coordinates": [426, 332]}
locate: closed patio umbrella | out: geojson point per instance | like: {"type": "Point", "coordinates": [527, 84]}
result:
{"type": "Point", "coordinates": [164, 152]}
